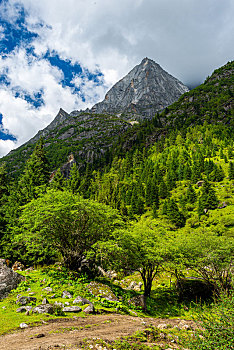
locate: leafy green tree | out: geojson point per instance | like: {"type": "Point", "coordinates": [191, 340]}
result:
{"type": "Point", "coordinates": [207, 254]}
{"type": "Point", "coordinates": [141, 248]}
{"type": "Point", "coordinates": [68, 222]}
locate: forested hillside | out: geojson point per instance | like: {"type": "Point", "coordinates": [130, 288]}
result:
{"type": "Point", "coordinates": [159, 207]}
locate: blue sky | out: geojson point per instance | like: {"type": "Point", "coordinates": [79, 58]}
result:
{"type": "Point", "coordinates": [67, 53]}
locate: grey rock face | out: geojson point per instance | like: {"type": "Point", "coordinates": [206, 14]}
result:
{"type": "Point", "coordinates": [8, 279]}
{"type": "Point", "coordinates": [146, 89]}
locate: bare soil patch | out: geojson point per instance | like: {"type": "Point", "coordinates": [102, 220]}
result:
{"type": "Point", "coordinates": [69, 333]}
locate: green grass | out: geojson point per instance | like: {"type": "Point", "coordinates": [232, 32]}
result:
{"type": "Point", "coordinates": [163, 302]}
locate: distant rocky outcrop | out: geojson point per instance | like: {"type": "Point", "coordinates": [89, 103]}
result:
{"type": "Point", "coordinates": [144, 91]}
{"type": "Point", "coordinates": [8, 279]}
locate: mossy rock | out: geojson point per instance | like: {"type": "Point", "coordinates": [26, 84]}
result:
{"type": "Point", "coordinates": [99, 289]}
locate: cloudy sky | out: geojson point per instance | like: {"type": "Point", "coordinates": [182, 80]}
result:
{"type": "Point", "coordinates": [68, 53]}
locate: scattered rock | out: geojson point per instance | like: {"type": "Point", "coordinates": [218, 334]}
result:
{"type": "Point", "coordinates": [186, 327]}
{"type": "Point", "coordinates": [66, 303]}
{"type": "Point", "coordinates": [57, 303]}
{"type": "Point", "coordinates": [44, 301]}
{"type": "Point", "coordinates": [89, 309]}
{"type": "Point", "coordinates": [222, 205]}
{"type": "Point", "coordinates": [162, 326]}
{"type": "Point", "coordinates": [66, 295]}
{"type": "Point", "coordinates": [40, 335]}
{"type": "Point", "coordinates": [72, 309]}
{"type": "Point", "coordinates": [200, 183]}
{"type": "Point", "coordinates": [48, 289]}
{"type": "Point", "coordinates": [24, 309]}
{"type": "Point", "coordinates": [8, 279]}
{"type": "Point", "coordinates": [81, 301]}
{"type": "Point", "coordinates": [23, 325]}
{"type": "Point", "coordinates": [24, 300]}
{"type": "Point", "coordinates": [43, 309]}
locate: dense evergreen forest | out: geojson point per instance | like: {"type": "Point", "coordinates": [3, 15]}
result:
{"type": "Point", "coordinates": [161, 199]}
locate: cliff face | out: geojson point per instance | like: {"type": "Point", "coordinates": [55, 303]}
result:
{"type": "Point", "coordinates": [145, 90]}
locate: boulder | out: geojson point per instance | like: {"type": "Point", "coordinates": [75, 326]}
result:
{"type": "Point", "coordinates": [43, 309]}
{"type": "Point", "coordinates": [23, 325]}
{"type": "Point", "coordinates": [99, 289]}
{"type": "Point", "coordinates": [194, 289]}
{"type": "Point", "coordinates": [66, 294]}
{"type": "Point", "coordinates": [138, 301]}
{"type": "Point", "coordinates": [72, 309]}
{"type": "Point", "coordinates": [89, 309]}
{"type": "Point", "coordinates": [24, 309]}
{"type": "Point", "coordinates": [24, 300]}
{"type": "Point", "coordinates": [8, 279]}
{"type": "Point", "coordinates": [45, 301]}
{"type": "Point", "coordinates": [81, 301]}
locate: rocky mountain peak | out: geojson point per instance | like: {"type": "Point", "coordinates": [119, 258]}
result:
{"type": "Point", "coordinates": [145, 90]}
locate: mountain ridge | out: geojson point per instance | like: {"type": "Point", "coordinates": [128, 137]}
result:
{"type": "Point", "coordinates": [92, 137]}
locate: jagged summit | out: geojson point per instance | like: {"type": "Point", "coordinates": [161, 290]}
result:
{"type": "Point", "coordinates": [146, 89]}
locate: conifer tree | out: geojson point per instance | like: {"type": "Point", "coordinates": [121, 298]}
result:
{"type": "Point", "coordinates": [231, 170]}
{"type": "Point", "coordinates": [190, 194]}
{"type": "Point", "coordinates": [208, 198]}
{"type": "Point", "coordinates": [58, 181]}
{"type": "Point", "coordinates": [162, 191]}
{"type": "Point", "coordinates": [73, 182]}
{"type": "Point", "coordinates": [174, 215]}
{"type": "Point", "coordinates": [36, 174]}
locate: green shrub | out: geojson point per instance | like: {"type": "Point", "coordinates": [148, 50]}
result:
{"type": "Point", "coordinates": [215, 328]}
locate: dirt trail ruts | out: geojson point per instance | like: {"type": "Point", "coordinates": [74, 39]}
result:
{"type": "Point", "coordinates": [68, 333]}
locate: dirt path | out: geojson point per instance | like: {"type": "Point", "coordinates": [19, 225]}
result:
{"type": "Point", "coordinates": [68, 333]}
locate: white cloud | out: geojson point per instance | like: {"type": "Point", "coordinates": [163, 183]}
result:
{"type": "Point", "coordinates": [6, 146]}
{"type": "Point", "coordinates": [28, 75]}
{"type": "Point", "coordinates": [187, 37]}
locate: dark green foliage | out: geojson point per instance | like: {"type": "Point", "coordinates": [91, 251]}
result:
{"type": "Point", "coordinates": [73, 182]}
{"type": "Point", "coordinates": [191, 194]}
{"type": "Point", "coordinates": [162, 191]}
{"type": "Point", "coordinates": [231, 170]}
{"type": "Point", "coordinates": [207, 199]}
{"type": "Point", "coordinates": [174, 215]}
{"type": "Point", "coordinates": [36, 174]}
{"type": "Point", "coordinates": [58, 181]}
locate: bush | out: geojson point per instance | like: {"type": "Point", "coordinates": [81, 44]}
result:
{"type": "Point", "coordinates": [216, 327]}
